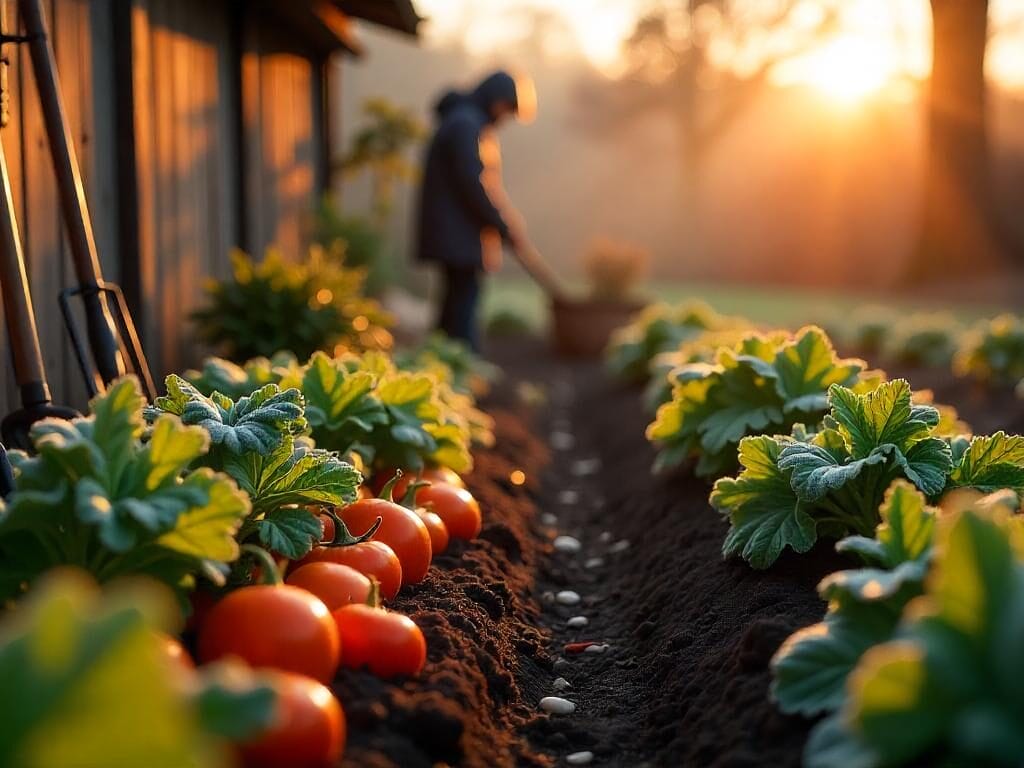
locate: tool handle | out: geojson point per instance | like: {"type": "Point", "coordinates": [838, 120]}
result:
{"type": "Point", "coordinates": [100, 325]}
{"type": "Point", "coordinates": [537, 268]}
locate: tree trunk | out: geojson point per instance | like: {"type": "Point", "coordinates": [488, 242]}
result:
{"type": "Point", "coordinates": [959, 227]}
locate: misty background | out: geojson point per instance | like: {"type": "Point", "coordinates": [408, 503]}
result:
{"type": "Point", "coordinates": [788, 189]}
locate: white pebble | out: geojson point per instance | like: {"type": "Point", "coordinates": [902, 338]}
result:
{"type": "Point", "coordinates": [567, 597]}
{"type": "Point", "coordinates": [579, 758]}
{"type": "Point", "coordinates": [577, 621]}
{"type": "Point", "coordinates": [562, 441]}
{"type": "Point", "coordinates": [548, 519]}
{"type": "Point", "coordinates": [548, 597]}
{"type": "Point", "coordinates": [596, 648]}
{"type": "Point", "coordinates": [568, 544]}
{"type": "Point", "coordinates": [583, 467]}
{"type": "Point", "coordinates": [594, 562]}
{"type": "Point", "coordinates": [568, 496]}
{"type": "Point", "coordinates": [605, 536]}
{"type": "Point", "coordinates": [561, 684]}
{"type": "Point", "coordinates": [619, 546]}
{"type": "Point", "coordinates": [556, 705]}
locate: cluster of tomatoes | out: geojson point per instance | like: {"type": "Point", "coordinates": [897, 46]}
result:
{"type": "Point", "coordinates": [326, 613]}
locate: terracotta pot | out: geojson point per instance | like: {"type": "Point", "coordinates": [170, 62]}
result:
{"type": "Point", "coordinates": [581, 327]}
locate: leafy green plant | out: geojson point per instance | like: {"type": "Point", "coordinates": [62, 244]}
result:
{"type": "Point", "coordinates": [465, 370]}
{"type": "Point", "coordinates": [993, 352]}
{"type": "Point", "coordinates": [923, 340]}
{"type": "Point", "coordinates": [96, 496]}
{"type": "Point", "coordinates": [867, 328]}
{"type": "Point", "coordinates": [257, 440]}
{"type": "Point", "coordinates": [945, 690]}
{"type": "Point", "coordinates": [794, 489]}
{"type": "Point", "coordinates": [668, 367]}
{"type": "Point", "coordinates": [235, 381]}
{"type": "Point", "coordinates": [864, 605]}
{"type": "Point", "coordinates": [272, 306]}
{"type": "Point", "coordinates": [94, 690]}
{"type": "Point", "coordinates": [658, 328]}
{"type": "Point", "coordinates": [764, 385]}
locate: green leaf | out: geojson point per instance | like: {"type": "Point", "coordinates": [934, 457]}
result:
{"type": "Point", "coordinates": [991, 463]}
{"type": "Point", "coordinates": [207, 531]}
{"type": "Point", "coordinates": [810, 669]}
{"type": "Point", "coordinates": [808, 366]}
{"type": "Point", "coordinates": [832, 745]}
{"type": "Point", "coordinates": [884, 415]}
{"type": "Point", "coordinates": [816, 472]}
{"type": "Point", "coordinates": [255, 423]}
{"type": "Point", "coordinates": [92, 688]}
{"type": "Point", "coordinates": [907, 528]}
{"type": "Point", "coordinates": [341, 405]}
{"type": "Point", "coordinates": [290, 531]}
{"type": "Point", "coordinates": [764, 512]}
{"type": "Point", "coordinates": [97, 497]}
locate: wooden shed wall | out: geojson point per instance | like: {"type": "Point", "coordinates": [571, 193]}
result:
{"type": "Point", "coordinates": [216, 114]}
{"type": "Point", "coordinates": [82, 55]}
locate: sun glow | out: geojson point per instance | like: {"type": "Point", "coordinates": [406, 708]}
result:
{"type": "Point", "coordinates": [848, 70]}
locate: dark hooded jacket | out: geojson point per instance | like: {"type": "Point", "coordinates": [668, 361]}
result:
{"type": "Point", "coordinates": [454, 206]}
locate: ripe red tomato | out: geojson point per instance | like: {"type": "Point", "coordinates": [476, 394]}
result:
{"type": "Point", "coordinates": [372, 558]}
{"type": "Point", "coordinates": [276, 626]}
{"type": "Point", "coordinates": [428, 474]}
{"type": "Point", "coordinates": [436, 528]}
{"type": "Point", "coordinates": [335, 584]}
{"type": "Point", "coordinates": [400, 528]}
{"type": "Point", "coordinates": [387, 643]}
{"type": "Point", "coordinates": [455, 506]}
{"type": "Point", "coordinates": [308, 729]}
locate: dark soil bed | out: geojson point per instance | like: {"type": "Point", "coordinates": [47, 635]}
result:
{"type": "Point", "coordinates": [684, 681]}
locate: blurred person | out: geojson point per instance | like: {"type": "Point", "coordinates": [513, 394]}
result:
{"type": "Point", "coordinates": [464, 215]}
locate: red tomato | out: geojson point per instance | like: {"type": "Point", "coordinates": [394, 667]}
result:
{"type": "Point", "coordinates": [372, 558]}
{"type": "Point", "coordinates": [436, 528]}
{"type": "Point", "coordinates": [326, 528]}
{"type": "Point", "coordinates": [277, 626]}
{"type": "Point", "coordinates": [387, 643]}
{"type": "Point", "coordinates": [308, 730]}
{"type": "Point", "coordinates": [400, 528]}
{"type": "Point", "coordinates": [428, 474]}
{"type": "Point", "coordinates": [335, 584]}
{"type": "Point", "coordinates": [455, 506]}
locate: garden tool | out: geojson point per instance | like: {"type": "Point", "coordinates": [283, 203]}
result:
{"type": "Point", "coordinates": [111, 336]}
{"type": "Point", "coordinates": [21, 328]}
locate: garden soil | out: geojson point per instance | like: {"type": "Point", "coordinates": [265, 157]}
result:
{"type": "Point", "coordinates": [684, 678]}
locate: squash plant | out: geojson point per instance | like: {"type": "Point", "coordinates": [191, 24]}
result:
{"type": "Point", "coordinates": [945, 689]}
{"type": "Point", "coordinates": [258, 440]}
{"type": "Point", "coordinates": [993, 351]}
{"type": "Point", "coordinates": [99, 497]}
{"type": "Point", "coordinates": [763, 385]}
{"type": "Point", "coordinates": [658, 328]}
{"type": "Point", "coordinates": [793, 489]}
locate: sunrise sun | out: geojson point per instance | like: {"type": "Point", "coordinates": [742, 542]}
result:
{"type": "Point", "coordinates": [848, 70]}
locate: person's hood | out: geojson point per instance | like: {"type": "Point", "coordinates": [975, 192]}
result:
{"type": "Point", "coordinates": [499, 86]}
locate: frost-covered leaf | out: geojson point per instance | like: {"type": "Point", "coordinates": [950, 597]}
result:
{"type": "Point", "coordinates": [765, 514]}
{"type": "Point", "coordinates": [991, 463]}
{"type": "Point", "coordinates": [290, 531]}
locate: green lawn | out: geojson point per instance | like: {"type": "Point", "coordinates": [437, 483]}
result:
{"type": "Point", "coordinates": [786, 307]}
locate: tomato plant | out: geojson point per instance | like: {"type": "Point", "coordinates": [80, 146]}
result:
{"type": "Point", "coordinates": [400, 528]}
{"type": "Point", "coordinates": [335, 584]}
{"type": "Point", "coordinates": [372, 558]}
{"type": "Point", "coordinates": [455, 506]}
{"type": "Point", "coordinates": [272, 625]}
{"type": "Point", "coordinates": [387, 643]}
{"type": "Point", "coordinates": [308, 730]}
